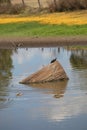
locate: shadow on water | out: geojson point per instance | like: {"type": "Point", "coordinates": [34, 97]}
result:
{"type": "Point", "coordinates": [55, 88]}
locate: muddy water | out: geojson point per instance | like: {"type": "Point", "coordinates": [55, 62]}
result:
{"type": "Point", "coordinates": [51, 106]}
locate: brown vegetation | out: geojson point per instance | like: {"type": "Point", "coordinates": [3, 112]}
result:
{"type": "Point", "coordinates": [11, 9]}
{"type": "Point", "coordinates": [67, 5]}
{"type": "Point", "coordinates": [16, 7]}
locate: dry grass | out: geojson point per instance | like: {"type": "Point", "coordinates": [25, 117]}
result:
{"type": "Point", "coordinates": [32, 7]}
{"type": "Point", "coordinates": [11, 9]}
{"type": "Point", "coordinates": [32, 3]}
{"type": "Point", "coordinates": [67, 5]}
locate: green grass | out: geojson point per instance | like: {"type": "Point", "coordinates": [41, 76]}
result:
{"type": "Point", "coordinates": [37, 29]}
{"type": "Point", "coordinates": [77, 47]}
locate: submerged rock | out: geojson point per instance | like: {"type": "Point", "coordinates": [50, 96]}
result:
{"type": "Point", "coordinates": [19, 94]}
{"type": "Point", "coordinates": [52, 72]}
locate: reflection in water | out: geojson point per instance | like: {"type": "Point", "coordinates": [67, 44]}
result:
{"type": "Point", "coordinates": [58, 104]}
{"type": "Point", "coordinates": [67, 108]}
{"type": "Point", "coordinates": [5, 64]}
{"type": "Point", "coordinates": [78, 59]}
{"type": "Point", "coordinates": [5, 102]}
{"type": "Point", "coordinates": [55, 88]}
{"type": "Point", "coordinates": [5, 74]}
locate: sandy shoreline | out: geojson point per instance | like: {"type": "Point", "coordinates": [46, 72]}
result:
{"type": "Point", "coordinates": [23, 42]}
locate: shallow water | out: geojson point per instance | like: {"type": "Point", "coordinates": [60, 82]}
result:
{"type": "Point", "coordinates": [57, 105]}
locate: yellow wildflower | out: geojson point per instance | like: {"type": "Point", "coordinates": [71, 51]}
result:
{"type": "Point", "coordinates": [71, 18]}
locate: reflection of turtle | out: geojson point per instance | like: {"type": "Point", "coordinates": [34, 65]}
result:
{"type": "Point", "coordinates": [53, 60]}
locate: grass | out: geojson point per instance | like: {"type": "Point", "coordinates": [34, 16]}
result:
{"type": "Point", "coordinates": [38, 29]}
{"type": "Point", "coordinates": [55, 24]}
{"type": "Point", "coordinates": [76, 47]}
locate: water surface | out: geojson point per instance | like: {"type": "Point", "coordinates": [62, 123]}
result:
{"type": "Point", "coordinates": [56, 105]}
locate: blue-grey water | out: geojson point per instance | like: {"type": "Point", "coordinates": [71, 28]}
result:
{"type": "Point", "coordinates": [51, 106]}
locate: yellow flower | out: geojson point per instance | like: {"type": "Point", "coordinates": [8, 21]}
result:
{"type": "Point", "coordinates": [69, 18]}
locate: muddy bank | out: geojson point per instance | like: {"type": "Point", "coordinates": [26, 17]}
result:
{"type": "Point", "coordinates": [22, 42]}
